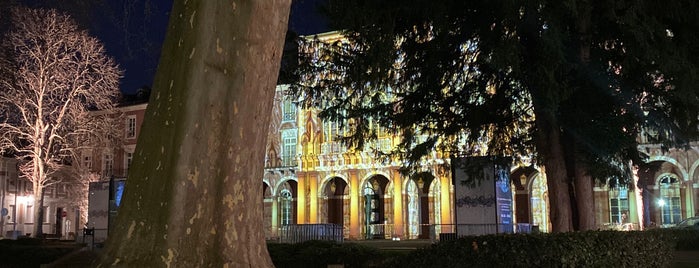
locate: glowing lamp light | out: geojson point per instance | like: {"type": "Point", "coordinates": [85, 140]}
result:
{"type": "Point", "coordinates": [523, 180]}
{"type": "Point", "coordinates": [661, 202]}
{"type": "Point", "coordinates": [375, 184]}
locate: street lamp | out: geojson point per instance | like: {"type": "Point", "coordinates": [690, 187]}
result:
{"type": "Point", "coordinates": [661, 202]}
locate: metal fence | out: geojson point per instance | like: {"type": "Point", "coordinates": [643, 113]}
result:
{"type": "Point", "coordinates": [452, 231]}
{"type": "Point", "coordinates": [379, 231]}
{"type": "Point", "coordinates": [297, 233]}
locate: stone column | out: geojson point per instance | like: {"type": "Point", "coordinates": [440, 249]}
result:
{"type": "Point", "coordinates": [398, 225]}
{"type": "Point", "coordinates": [275, 215]}
{"type": "Point", "coordinates": [301, 199]}
{"type": "Point", "coordinates": [312, 180]}
{"type": "Point", "coordinates": [354, 205]}
{"type": "Point", "coordinates": [445, 202]}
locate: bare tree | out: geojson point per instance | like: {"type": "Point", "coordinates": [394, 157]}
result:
{"type": "Point", "coordinates": [53, 74]}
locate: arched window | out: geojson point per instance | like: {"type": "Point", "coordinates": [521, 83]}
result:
{"type": "Point", "coordinates": [669, 202]}
{"type": "Point", "coordinates": [285, 201]}
{"type": "Point", "coordinates": [413, 210]}
{"type": "Point", "coordinates": [539, 203]}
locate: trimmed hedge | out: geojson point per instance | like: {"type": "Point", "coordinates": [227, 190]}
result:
{"type": "Point", "coordinates": [322, 253]}
{"type": "Point", "coordinates": [685, 239]}
{"type": "Point", "coordinates": [574, 249]}
{"type": "Point", "coordinates": [653, 248]}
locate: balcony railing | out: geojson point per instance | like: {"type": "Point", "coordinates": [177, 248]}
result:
{"type": "Point", "coordinates": [297, 233]}
{"type": "Point", "coordinates": [332, 148]}
{"type": "Point", "coordinates": [286, 117]}
{"type": "Point", "coordinates": [289, 161]}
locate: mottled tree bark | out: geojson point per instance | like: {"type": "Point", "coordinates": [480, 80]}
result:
{"type": "Point", "coordinates": [193, 196]}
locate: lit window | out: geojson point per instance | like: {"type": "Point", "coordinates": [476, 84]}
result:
{"type": "Point", "coordinates": [108, 166]}
{"type": "Point", "coordinates": [289, 147]}
{"type": "Point", "coordinates": [131, 127]}
{"type": "Point", "coordinates": [670, 206]}
{"type": "Point", "coordinates": [286, 205]}
{"type": "Point", "coordinates": [87, 162]}
{"type": "Point", "coordinates": [11, 214]}
{"type": "Point", "coordinates": [619, 205]}
{"type": "Point", "coordinates": [288, 110]}
{"type": "Point", "coordinates": [46, 214]}
{"type": "Point", "coordinates": [29, 214]}
{"type": "Point", "coordinates": [128, 158]}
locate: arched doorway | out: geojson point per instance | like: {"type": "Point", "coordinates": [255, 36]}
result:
{"type": "Point", "coordinates": [375, 220]}
{"type": "Point", "coordinates": [436, 206]}
{"type": "Point", "coordinates": [422, 182]}
{"type": "Point", "coordinates": [539, 202]}
{"type": "Point", "coordinates": [335, 191]}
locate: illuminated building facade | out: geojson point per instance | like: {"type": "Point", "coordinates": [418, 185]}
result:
{"type": "Point", "coordinates": [330, 184]}
{"type": "Point", "coordinates": [311, 178]}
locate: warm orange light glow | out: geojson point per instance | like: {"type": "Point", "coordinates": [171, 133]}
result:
{"type": "Point", "coordinates": [444, 203]}
{"type": "Point", "coordinates": [301, 200]}
{"type": "Point", "coordinates": [354, 205]}
{"type": "Point", "coordinates": [275, 215]}
{"type": "Point", "coordinates": [398, 226]}
{"type": "Point", "coordinates": [314, 198]}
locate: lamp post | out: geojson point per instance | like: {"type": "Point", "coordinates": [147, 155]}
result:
{"type": "Point", "coordinates": [2, 200]}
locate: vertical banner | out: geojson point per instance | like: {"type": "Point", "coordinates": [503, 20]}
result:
{"type": "Point", "coordinates": [503, 195]}
{"type": "Point", "coordinates": [483, 197]}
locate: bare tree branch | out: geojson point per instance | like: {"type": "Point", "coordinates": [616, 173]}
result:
{"type": "Point", "coordinates": [56, 74]}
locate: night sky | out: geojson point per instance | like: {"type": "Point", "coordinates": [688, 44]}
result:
{"type": "Point", "coordinates": [137, 50]}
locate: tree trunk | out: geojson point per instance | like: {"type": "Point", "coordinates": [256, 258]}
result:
{"type": "Point", "coordinates": [193, 198]}
{"type": "Point", "coordinates": [548, 137]}
{"type": "Point", "coordinates": [38, 177]}
{"type": "Point", "coordinates": [549, 143]}
{"type": "Point", "coordinates": [37, 230]}
{"type": "Point", "coordinates": [584, 197]}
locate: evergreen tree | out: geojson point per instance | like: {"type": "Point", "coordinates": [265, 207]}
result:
{"type": "Point", "coordinates": [574, 82]}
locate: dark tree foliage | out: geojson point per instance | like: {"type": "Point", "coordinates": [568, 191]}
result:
{"type": "Point", "coordinates": [465, 72]}
{"type": "Point", "coordinates": [573, 83]}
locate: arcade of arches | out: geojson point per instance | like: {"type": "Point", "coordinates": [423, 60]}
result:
{"type": "Point", "coordinates": [373, 202]}
{"type": "Point", "coordinates": [310, 178]}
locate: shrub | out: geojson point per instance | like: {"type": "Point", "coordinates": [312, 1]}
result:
{"type": "Point", "coordinates": [685, 239]}
{"type": "Point", "coordinates": [574, 249]}
{"type": "Point", "coordinates": [322, 253]}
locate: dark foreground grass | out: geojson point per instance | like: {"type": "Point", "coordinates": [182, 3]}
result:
{"type": "Point", "coordinates": [30, 252]}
